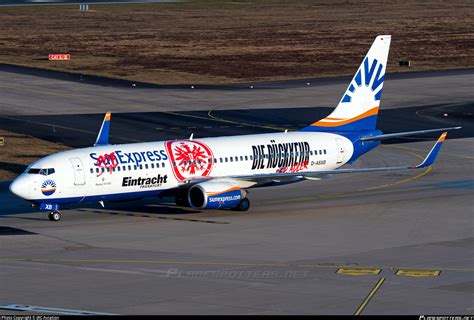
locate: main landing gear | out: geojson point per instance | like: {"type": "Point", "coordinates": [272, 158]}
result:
{"type": "Point", "coordinates": [54, 215]}
{"type": "Point", "coordinates": [243, 205]}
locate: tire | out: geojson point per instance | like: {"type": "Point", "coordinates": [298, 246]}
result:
{"type": "Point", "coordinates": [244, 205]}
{"type": "Point", "coordinates": [54, 216]}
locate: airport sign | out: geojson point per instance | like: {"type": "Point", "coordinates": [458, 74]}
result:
{"type": "Point", "coordinates": [59, 56]}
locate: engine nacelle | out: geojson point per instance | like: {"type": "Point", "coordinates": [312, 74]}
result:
{"type": "Point", "coordinates": [215, 195]}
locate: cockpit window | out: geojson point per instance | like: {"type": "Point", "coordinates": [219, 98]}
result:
{"type": "Point", "coordinates": [44, 172]}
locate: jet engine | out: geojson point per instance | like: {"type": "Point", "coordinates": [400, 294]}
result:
{"type": "Point", "coordinates": [217, 195]}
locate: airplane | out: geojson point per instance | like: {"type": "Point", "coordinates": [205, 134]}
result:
{"type": "Point", "coordinates": [216, 173]}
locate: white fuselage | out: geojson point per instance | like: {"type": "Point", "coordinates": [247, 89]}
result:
{"type": "Point", "coordinates": [144, 169]}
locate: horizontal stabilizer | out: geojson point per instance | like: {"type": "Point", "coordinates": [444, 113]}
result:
{"type": "Point", "coordinates": [103, 136]}
{"type": "Point", "coordinates": [404, 134]}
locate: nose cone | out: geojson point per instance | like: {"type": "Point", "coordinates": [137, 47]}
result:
{"type": "Point", "coordinates": [20, 187]}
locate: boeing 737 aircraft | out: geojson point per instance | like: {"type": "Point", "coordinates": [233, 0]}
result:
{"type": "Point", "coordinates": [215, 173]}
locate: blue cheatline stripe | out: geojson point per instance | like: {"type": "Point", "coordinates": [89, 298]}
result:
{"type": "Point", "coordinates": [113, 196]}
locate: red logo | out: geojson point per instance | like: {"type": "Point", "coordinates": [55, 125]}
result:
{"type": "Point", "coordinates": [189, 158]}
{"type": "Point", "coordinates": [297, 167]}
{"type": "Point", "coordinates": [107, 161]}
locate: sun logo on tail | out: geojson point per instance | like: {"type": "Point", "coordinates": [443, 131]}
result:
{"type": "Point", "coordinates": [370, 78]}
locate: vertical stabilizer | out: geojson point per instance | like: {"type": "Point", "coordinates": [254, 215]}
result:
{"type": "Point", "coordinates": [359, 105]}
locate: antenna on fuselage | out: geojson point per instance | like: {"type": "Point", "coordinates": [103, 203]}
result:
{"type": "Point", "coordinates": [192, 136]}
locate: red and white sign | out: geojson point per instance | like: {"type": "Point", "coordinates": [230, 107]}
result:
{"type": "Point", "coordinates": [59, 56]}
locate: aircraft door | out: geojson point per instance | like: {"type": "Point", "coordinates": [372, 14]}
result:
{"type": "Point", "coordinates": [79, 173]}
{"type": "Point", "coordinates": [340, 150]}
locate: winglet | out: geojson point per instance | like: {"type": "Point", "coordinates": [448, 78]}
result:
{"type": "Point", "coordinates": [431, 157]}
{"type": "Point", "coordinates": [103, 136]}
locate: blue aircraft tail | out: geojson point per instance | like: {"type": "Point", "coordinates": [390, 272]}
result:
{"type": "Point", "coordinates": [359, 106]}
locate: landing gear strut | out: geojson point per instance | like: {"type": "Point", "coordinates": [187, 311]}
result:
{"type": "Point", "coordinates": [54, 215]}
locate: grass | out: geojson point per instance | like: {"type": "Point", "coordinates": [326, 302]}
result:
{"type": "Point", "coordinates": [17, 153]}
{"type": "Point", "coordinates": [216, 42]}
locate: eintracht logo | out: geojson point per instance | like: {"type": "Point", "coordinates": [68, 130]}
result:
{"type": "Point", "coordinates": [48, 187]}
{"type": "Point", "coordinates": [369, 80]}
{"type": "Point", "coordinates": [189, 158]}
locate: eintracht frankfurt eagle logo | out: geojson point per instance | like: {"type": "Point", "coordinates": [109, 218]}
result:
{"type": "Point", "coordinates": [189, 158]}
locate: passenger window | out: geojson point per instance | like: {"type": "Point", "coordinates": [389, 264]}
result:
{"type": "Point", "coordinates": [320, 151]}
{"type": "Point", "coordinates": [103, 170]}
{"type": "Point", "coordinates": [113, 169]}
{"type": "Point", "coordinates": [231, 159]}
{"type": "Point", "coordinates": [124, 168]}
{"type": "Point", "coordinates": [226, 159]}
{"type": "Point", "coordinates": [162, 164]}
{"type": "Point", "coordinates": [96, 170]}
{"type": "Point", "coordinates": [92, 170]}
{"type": "Point", "coordinates": [146, 165]}
{"type": "Point", "coordinates": [118, 168]}
{"type": "Point", "coordinates": [174, 163]}
{"type": "Point", "coordinates": [129, 167]}
{"type": "Point", "coordinates": [134, 167]}
{"type": "Point", "coordinates": [220, 159]}
{"type": "Point", "coordinates": [246, 158]}
{"type": "Point", "coordinates": [324, 151]}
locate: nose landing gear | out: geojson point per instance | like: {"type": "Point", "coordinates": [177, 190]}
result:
{"type": "Point", "coordinates": [54, 215]}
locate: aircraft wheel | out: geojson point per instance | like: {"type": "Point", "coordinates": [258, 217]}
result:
{"type": "Point", "coordinates": [244, 205]}
{"type": "Point", "coordinates": [54, 216]}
